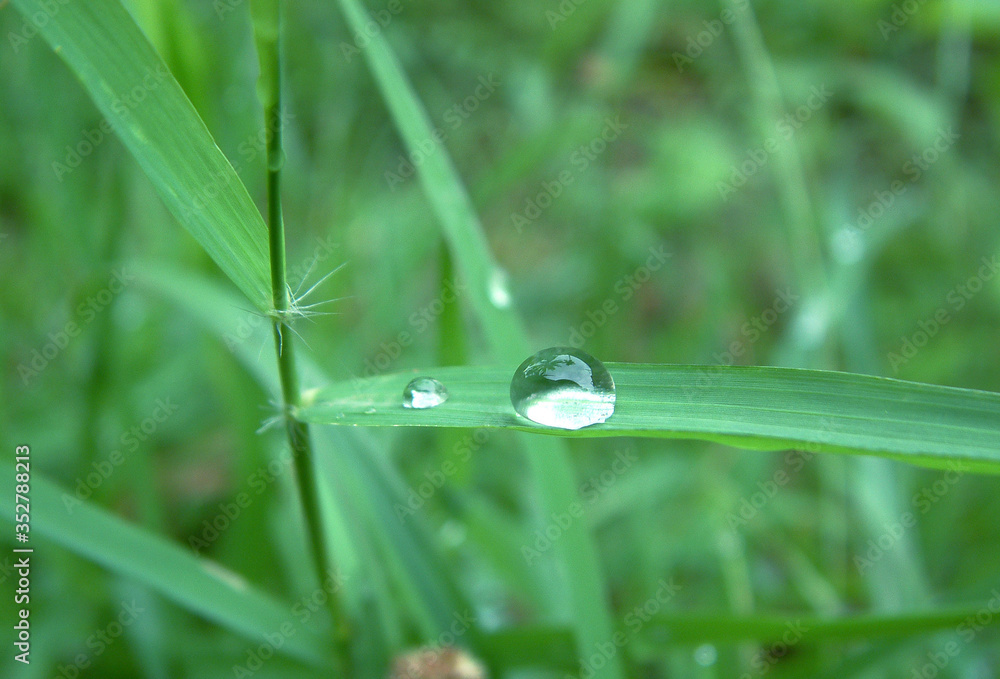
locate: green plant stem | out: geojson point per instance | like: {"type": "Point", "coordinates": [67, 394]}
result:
{"type": "Point", "coordinates": [808, 263]}
{"type": "Point", "coordinates": [298, 432]}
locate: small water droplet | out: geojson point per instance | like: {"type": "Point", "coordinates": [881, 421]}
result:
{"type": "Point", "coordinates": [424, 392]}
{"type": "Point", "coordinates": [369, 411]}
{"type": "Point", "coordinates": [563, 387]}
{"type": "Point", "coordinates": [499, 289]}
{"type": "Point", "coordinates": [705, 655]}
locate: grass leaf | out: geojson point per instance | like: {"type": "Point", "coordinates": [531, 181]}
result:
{"type": "Point", "coordinates": [199, 585]}
{"type": "Point", "coordinates": [747, 407]}
{"type": "Point", "coordinates": [143, 103]}
{"type": "Point", "coordinates": [685, 627]}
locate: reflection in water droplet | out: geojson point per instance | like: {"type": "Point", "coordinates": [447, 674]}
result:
{"type": "Point", "coordinates": [499, 288]}
{"type": "Point", "coordinates": [563, 387]}
{"type": "Point", "coordinates": [424, 392]}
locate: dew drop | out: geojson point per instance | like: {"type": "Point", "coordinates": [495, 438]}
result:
{"type": "Point", "coordinates": [563, 387]}
{"type": "Point", "coordinates": [424, 392]}
{"type": "Point", "coordinates": [499, 289]}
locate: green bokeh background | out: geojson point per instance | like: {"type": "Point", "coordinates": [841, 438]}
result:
{"type": "Point", "coordinates": [698, 99]}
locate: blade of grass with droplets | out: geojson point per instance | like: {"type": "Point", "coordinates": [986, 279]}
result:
{"type": "Point", "coordinates": [199, 585]}
{"type": "Point", "coordinates": [404, 553]}
{"type": "Point", "coordinates": [146, 107]}
{"type": "Point", "coordinates": [574, 576]}
{"type": "Point", "coordinates": [748, 407]}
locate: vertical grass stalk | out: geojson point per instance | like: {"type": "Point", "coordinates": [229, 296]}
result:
{"type": "Point", "coordinates": [267, 29]}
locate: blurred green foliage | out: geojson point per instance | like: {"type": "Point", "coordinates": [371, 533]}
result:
{"type": "Point", "coordinates": [847, 205]}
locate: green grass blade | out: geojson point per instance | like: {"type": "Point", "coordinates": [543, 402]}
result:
{"type": "Point", "coordinates": [198, 585]}
{"type": "Point", "coordinates": [574, 575]}
{"type": "Point", "coordinates": [143, 103]}
{"type": "Point", "coordinates": [531, 646]}
{"type": "Point", "coordinates": [682, 627]}
{"type": "Point", "coordinates": [440, 183]}
{"type": "Point", "coordinates": [364, 487]}
{"type": "Point", "coordinates": [748, 407]}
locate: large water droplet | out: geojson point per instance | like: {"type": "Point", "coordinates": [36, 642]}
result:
{"type": "Point", "coordinates": [424, 392]}
{"type": "Point", "coordinates": [563, 387]}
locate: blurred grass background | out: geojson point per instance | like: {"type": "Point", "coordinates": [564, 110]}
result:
{"type": "Point", "coordinates": [555, 76]}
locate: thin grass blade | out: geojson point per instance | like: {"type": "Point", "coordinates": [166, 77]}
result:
{"type": "Point", "coordinates": [143, 103]}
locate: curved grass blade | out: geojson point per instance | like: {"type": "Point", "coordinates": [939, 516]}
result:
{"type": "Point", "coordinates": [196, 584]}
{"type": "Point", "coordinates": [143, 103]}
{"type": "Point", "coordinates": [748, 407]}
